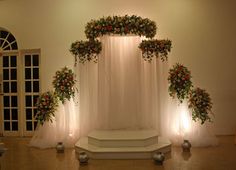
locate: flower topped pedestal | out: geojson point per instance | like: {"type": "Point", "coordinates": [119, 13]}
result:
{"type": "Point", "coordinates": [200, 104]}
{"type": "Point", "coordinates": [153, 47]}
{"type": "Point", "coordinates": [64, 82]}
{"type": "Point", "coordinates": [46, 106]}
{"type": "Point", "coordinates": [86, 50]}
{"type": "Point", "coordinates": [179, 82]}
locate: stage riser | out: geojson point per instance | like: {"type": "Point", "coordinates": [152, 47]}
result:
{"type": "Point", "coordinates": [123, 155]}
{"type": "Point", "coordinates": [122, 145]}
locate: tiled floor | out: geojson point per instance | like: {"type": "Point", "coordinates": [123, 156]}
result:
{"type": "Point", "coordinates": [21, 157]}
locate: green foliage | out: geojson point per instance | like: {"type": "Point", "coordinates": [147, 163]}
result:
{"type": "Point", "coordinates": [86, 50]}
{"type": "Point", "coordinates": [64, 82]}
{"type": "Point", "coordinates": [153, 47]}
{"type": "Point", "coordinates": [121, 25]}
{"type": "Point", "coordinates": [180, 82]}
{"type": "Point", "coordinates": [46, 106]}
{"type": "Point", "coordinates": [180, 86]}
{"type": "Point", "coordinates": [200, 104]}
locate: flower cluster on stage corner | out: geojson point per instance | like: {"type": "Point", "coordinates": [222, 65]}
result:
{"type": "Point", "coordinates": [179, 82]}
{"type": "Point", "coordinates": [46, 106]}
{"type": "Point", "coordinates": [153, 47]}
{"type": "Point", "coordinates": [200, 104]}
{"type": "Point", "coordinates": [86, 50]}
{"type": "Point", "coordinates": [64, 84]}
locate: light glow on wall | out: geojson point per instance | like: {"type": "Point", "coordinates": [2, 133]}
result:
{"type": "Point", "coordinates": [185, 122]}
{"type": "Point", "coordinates": [182, 122]}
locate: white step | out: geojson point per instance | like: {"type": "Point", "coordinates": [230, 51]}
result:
{"type": "Point", "coordinates": [99, 150]}
{"type": "Point", "coordinates": [121, 138]}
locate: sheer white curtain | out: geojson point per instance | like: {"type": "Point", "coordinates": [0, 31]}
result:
{"type": "Point", "coordinates": [64, 128]}
{"type": "Point", "coordinates": [87, 80]}
{"type": "Point", "coordinates": [120, 91]}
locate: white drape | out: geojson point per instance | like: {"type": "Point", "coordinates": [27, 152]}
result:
{"type": "Point", "coordinates": [122, 91]}
{"type": "Point", "coordinates": [64, 128]}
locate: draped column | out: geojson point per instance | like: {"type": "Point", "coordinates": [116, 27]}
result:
{"type": "Point", "coordinates": [126, 92]}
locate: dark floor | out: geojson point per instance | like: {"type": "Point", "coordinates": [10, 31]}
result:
{"type": "Point", "coordinates": [21, 157]}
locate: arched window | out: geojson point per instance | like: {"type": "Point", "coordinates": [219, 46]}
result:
{"type": "Point", "coordinates": [7, 41]}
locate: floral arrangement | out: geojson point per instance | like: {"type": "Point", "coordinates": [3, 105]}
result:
{"type": "Point", "coordinates": [121, 25]}
{"type": "Point", "coordinates": [64, 82]}
{"type": "Point", "coordinates": [179, 82]}
{"type": "Point", "coordinates": [200, 104]}
{"type": "Point", "coordinates": [86, 50]}
{"type": "Point", "coordinates": [153, 47]}
{"type": "Point", "coordinates": [180, 86]}
{"type": "Point", "coordinates": [46, 107]}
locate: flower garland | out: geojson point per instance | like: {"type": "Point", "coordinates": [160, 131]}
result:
{"type": "Point", "coordinates": [158, 48]}
{"type": "Point", "coordinates": [86, 50]}
{"type": "Point", "coordinates": [179, 82]}
{"type": "Point", "coordinates": [121, 25]}
{"type": "Point", "coordinates": [200, 104]}
{"type": "Point", "coordinates": [46, 106]}
{"type": "Point", "coordinates": [64, 82]}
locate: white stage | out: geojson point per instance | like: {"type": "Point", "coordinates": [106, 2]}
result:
{"type": "Point", "coordinates": [122, 144]}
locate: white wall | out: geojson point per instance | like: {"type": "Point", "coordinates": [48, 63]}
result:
{"type": "Point", "coordinates": [202, 31]}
